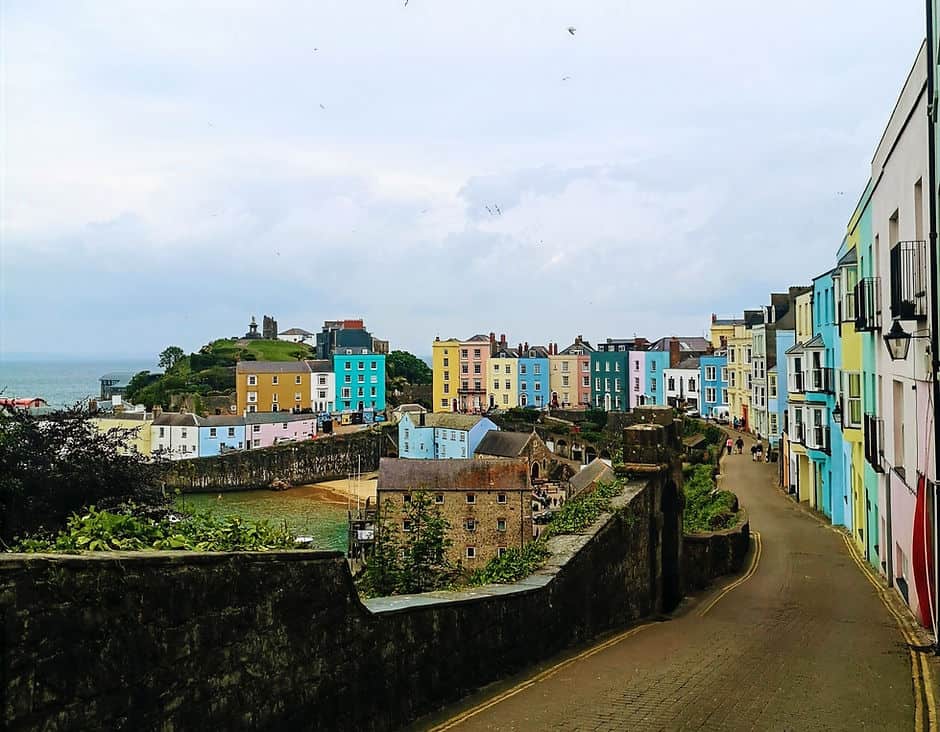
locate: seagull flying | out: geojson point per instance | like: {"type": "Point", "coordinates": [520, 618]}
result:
{"type": "Point", "coordinates": [572, 29]}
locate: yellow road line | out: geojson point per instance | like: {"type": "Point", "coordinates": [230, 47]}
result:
{"type": "Point", "coordinates": [920, 667]}
{"type": "Point", "coordinates": [758, 546]}
{"type": "Point", "coordinates": [460, 718]}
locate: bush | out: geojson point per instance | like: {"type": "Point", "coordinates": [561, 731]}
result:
{"type": "Point", "coordinates": [522, 414]}
{"type": "Point", "coordinates": [705, 508]}
{"type": "Point", "coordinates": [199, 531]}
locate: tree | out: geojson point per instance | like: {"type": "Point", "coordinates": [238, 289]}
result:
{"type": "Point", "coordinates": [409, 561]}
{"type": "Point", "coordinates": [54, 466]}
{"type": "Point", "coordinates": [170, 357]}
{"type": "Point", "coordinates": [408, 366]}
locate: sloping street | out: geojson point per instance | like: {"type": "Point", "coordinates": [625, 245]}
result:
{"type": "Point", "coordinates": [800, 640]}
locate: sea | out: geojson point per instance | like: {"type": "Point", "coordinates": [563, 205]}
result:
{"type": "Point", "coordinates": [61, 383]}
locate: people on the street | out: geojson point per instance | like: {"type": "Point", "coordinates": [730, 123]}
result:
{"type": "Point", "coordinates": [728, 445]}
{"type": "Point", "coordinates": [754, 452]}
{"type": "Point", "coordinates": [739, 443]}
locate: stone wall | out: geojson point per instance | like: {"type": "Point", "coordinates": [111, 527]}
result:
{"type": "Point", "coordinates": [280, 640]}
{"type": "Point", "coordinates": [311, 461]}
{"type": "Point", "coordinates": [707, 556]}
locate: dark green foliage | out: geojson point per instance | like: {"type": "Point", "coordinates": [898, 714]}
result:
{"type": "Point", "coordinates": [705, 508]}
{"type": "Point", "coordinates": [404, 366]}
{"type": "Point", "coordinates": [514, 565]}
{"type": "Point", "coordinates": [579, 513]}
{"type": "Point", "coordinates": [523, 415]}
{"type": "Point", "coordinates": [169, 357]}
{"type": "Point", "coordinates": [406, 562]}
{"type": "Point", "coordinates": [598, 417]}
{"type": "Point", "coordinates": [55, 466]}
{"type": "Point", "coordinates": [97, 530]}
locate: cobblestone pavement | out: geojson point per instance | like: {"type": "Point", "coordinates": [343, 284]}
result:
{"type": "Point", "coordinates": [803, 644]}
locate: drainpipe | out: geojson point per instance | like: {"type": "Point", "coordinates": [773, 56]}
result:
{"type": "Point", "coordinates": [933, 279]}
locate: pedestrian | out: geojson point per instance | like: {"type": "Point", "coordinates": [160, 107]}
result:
{"type": "Point", "coordinates": [754, 453]}
{"type": "Point", "coordinates": [728, 444]}
{"type": "Point", "coordinates": [740, 445]}
{"type": "Point", "coordinates": [760, 451]}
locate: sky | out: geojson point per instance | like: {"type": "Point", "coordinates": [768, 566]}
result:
{"type": "Point", "coordinates": [438, 168]}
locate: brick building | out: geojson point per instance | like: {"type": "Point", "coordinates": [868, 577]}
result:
{"type": "Point", "coordinates": [486, 503]}
{"type": "Point", "coordinates": [525, 445]}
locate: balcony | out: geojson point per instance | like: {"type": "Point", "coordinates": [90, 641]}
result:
{"type": "Point", "coordinates": [820, 380]}
{"type": "Point", "coordinates": [909, 280]}
{"type": "Point", "coordinates": [874, 430]}
{"type": "Point", "coordinates": [868, 305]}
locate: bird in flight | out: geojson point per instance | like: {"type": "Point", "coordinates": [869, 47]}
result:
{"type": "Point", "coordinates": [572, 29]}
{"type": "Point", "coordinates": [322, 106]}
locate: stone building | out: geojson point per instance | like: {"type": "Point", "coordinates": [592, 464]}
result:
{"type": "Point", "coordinates": [486, 503]}
{"type": "Point", "coordinates": [526, 445]}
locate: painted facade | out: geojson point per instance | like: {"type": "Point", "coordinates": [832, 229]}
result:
{"type": "Point", "coordinates": [609, 374]}
{"type": "Point", "coordinates": [441, 436]}
{"type": "Point", "coordinates": [570, 375]}
{"type": "Point", "coordinates": [174, 436]}
{"type": "Point", "coordinates": [220, 434]}
{"type": "Point", "coordinates": [533, 371]}
{"type": "Point", "coordinates": [445, 365]}
{"type": "Point", "coordinates": [473, 355]}
{"type": "Point", "coordinates": [713, 377]}
{"type": "Point", "coordinates": [683, 384]}
{"type": "Point", "coordinates": [636, 378]}
{"type": "Point", "coordinates": [266, 429]}
{"type": "Point", "coordinates": [272, 386]}
{"type": "Point", "coordinates": [140, 438]}
{"type": "Point", "coordinates": [503, 381]}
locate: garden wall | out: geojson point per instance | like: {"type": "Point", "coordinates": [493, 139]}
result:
{"type": "Point", "coordinates": [709, 555]}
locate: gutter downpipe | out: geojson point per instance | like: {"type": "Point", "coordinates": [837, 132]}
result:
{"type": "Point", "coordinates": [934, 308]}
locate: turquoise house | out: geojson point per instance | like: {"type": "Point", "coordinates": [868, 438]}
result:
{"type": "Point", "coordinates": [655, 378]}
{"type": "Point", "coordinates": [360, 381]}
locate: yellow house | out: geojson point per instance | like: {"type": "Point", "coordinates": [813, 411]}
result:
{"type": "Point", "coordinates": [445, 362]}
{"type": "Point", "coordinates": [273, 386]}
{"type": "Point", "coordinates": [739, 370]}
{"type": "Point", "coordinates": [722, 331]}
{"type": "Point", "coordinates": [502, 380]}
{"type": "Point", "coordinates": [139, 422]}
{"type": "Point", "coordinates": [797, 465]}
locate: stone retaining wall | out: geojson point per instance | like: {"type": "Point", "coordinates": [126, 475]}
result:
{"type": "Point", "coordinates": [707, 556]}
{"type": "Point", "coordinates": [298, 463]}
{"type": "Point", "coordinates": [280, 640]}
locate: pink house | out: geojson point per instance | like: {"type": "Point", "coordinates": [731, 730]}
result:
{"type": "Point", "coordinates": [264, 429]}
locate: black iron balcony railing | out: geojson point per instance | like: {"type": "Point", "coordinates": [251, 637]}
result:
{"type": "Point", "coordinates": [909, 280]}
{"type": "Point", "coordinates": [868, 304]}
{"type": "Point", "coordinates": [820, 380]}
{"type": "Point", "coordinates": [874, 429]}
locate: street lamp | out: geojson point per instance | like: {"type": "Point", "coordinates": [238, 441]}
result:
{"type": "Point", "coordinates": [898, 342]}
{"type": "Point", "coordinates": [837, 413]}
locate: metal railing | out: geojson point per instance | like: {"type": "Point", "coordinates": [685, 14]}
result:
{"type": "Point", "coordinates": [874, 429]}
{"type": "Point", "coordinates": [868, 304]}
{"type": "Point", "coordinates": [909, 280]}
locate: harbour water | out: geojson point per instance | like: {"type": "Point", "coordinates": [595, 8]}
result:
{"type": "Point", "coordinates": [310, 510]}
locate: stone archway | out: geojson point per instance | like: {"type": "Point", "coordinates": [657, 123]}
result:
{"type": "Point", "coordinates": [535, 471]}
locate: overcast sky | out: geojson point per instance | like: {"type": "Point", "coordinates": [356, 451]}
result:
{"type": "Point", "coordinates": [444, 168]}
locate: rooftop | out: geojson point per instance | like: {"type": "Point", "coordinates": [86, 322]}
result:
{"type": "Point", "coordinates": [452, 421]}
{"type": "Point", "coordinates": [296, 331]}
{"type": "Point", "coordinates": [596, 470]}
{"type": "Point", "coordinates": [321, 365]}
{"type": "Point", "coordinates": [693, 344]}
{"type": "Point", "coordinates": [272, 367]}
{"type": "Point", "coordinates": [458, 475]}
{"type": "Point", "coordinates": [174, 419]}
{"type": "Point", "coordinates": [503, 444]}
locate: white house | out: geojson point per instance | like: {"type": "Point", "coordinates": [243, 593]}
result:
{"type": "Point", "coordinates": [296, 335]}
{"type": "Point", "coordinates": [682, 384]}
{"type": "Point", "coordinates": [175, 436]}
{"type": "Point", "coordinates": [322, 385]}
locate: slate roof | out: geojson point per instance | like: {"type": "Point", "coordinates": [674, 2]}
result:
{"type": "Point", "coordinates": [352, 338]}
{"type": "Point", "coordinates": [451, 421]}
{"type": "Point", "coordinates": [272, 367]}
{"type": "Point", "coordinates": [120, 377]}
{"type": "Point", "coordinates": [850, 257]}
{"type": "Point", "coordinates": [688, 364]}
{"type": "Point", "coordinates": [694, 344]}
{"type": "Point", "coordinates": [815, 342]}
{"type": "Point", "coordinates": [296, 331]}
{"type": "Point", "coordinates": [276, 417]}
{"type": "Point", "coordinates": [584, 345]}
{"type": "Point", "coordinates": [478, 338]}
{"type": "Point", "coordinates": [795, 348]}
{"type": "Point", "coordinates": [503, 444]}
{"type": "Point", "coordinates": [594, 471]}
{"type": "Point", "coordinates": [538, 351]}
{"type": "Point", "coordinates": [174, 419]}
{"type": "Point", "coordinates": [221, 420]}
{"type": "Point", "coordinates": [321, 365]}
{"type": "Point", "coordinates": [397, 474]}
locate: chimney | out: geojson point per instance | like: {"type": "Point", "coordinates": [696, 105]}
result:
{"type": "Point", "coordinates": [526, 346]}
{"type": "Point", "coordinates": [674, 354]}
{"type": "Point", "coordinates": [714, 317]}
{"type": "Point", "coordinates": [421, 419]}
{"type": "Point", "coordinates": [502, 340]}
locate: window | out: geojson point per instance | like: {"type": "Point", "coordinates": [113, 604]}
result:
{"type": "Point", "coordinates": [496, 385]}
{"type": "Point", "coordinates": [500, 551]}
{"type": "Point", "coordinates": [616, 384]}
{"type": "Point", "coordinates": [252, 380]}
{"type": "Point", "coordinates": [252, 396]}
{"type": "Point", "coordinates": [321, 394]}
{"type": "Point", "coordinates": [564, 367]}
{"type": "Point", "coordinates": [505, 398]}
{"type": "Point", "coordinates": [274, 397]}
{"type": "Point", "coordinates": [724, 374]}
{"type": "Point", "coordinates": [507, 369]}
{"type": "Point", "coordinates": [476, 368]}
{"type": "Point", "coordinates": [257, 443]}
{"type": "Point", "coordinates": [471, 552]}
{"type": "Point", "coordinates": [692, 384]}
{"type": "Point", "coordinates": [597, 366]}
{"type": "Point", "coordinates": [471, 498]}
{"type": "Point", "coordinates": [439, 498]}
{"type": "Point", "coordinates": [496, 368]}
{"type": "Point", "coordinates": [854, 392]}
{"type": "Point", "coordinates": [274, 379]}
{"type": "Point", "coordinates": [476, 352]}
{"type": "Point", "coordinates": [447, 388]}
{"type": "Point", "coordinates": [671, 384]}
{"type": "Point", "coordinates": [772, 385]}
{"type": "Point", "coordinates": [373, 365]}
{"type": "Point", "coordinates": [586, 381]}
{"type": "Point", "coordinates": [321, 380]}
{"type": "Point", "coordinates": [607, 367]}
{"type": "Point", "coordinates": [537, 368]}
{"type": "Point", "coordinates": [231, 431]}
{"type": "Point", "coordinates": [348, 364]}
{"type": "Point", "coordinates": [501, 524]}
{"type": "Point", "coordinates": [652, 384]}
{"type": "Point", "coordinates": [477, 385]}
{"type": "Point", "coordinates": [538, 386]}
{"type": "Point", "coordinates": [710, 395]}
{"type": "Point", "coordinates": [359, 391]}
{"type": "Point", "coordinates": [464, 352]}
{"type": "Point", "coordinates": [297, 379]}
{"type": "Point", "coordinates": [524, 386]}
{"type": "Point", "coordinates": [183, 433]}
{"type": "Point", "coordinates": [406, 498]}
{"type": "Point", "coordinates": [252, 408]}
{"type": "Point", "coordinates": [161, 432]}
{"type": "Point", "coordinates": [406, 525]}
{"type": "Point", "coordinates": [464, 368]}
{"type": "Point", "coordinates": [522, 368]}
{"type": "Point", "coordinates": [564, 381]}
{"type": "Point", "coordinates": [636, 383]}
{"type": "Point", "coordinates": [256, 428]}
{"type": "Point", "coordinates": [773, 423]}
{"type": "Point", "coordinates": [362, 365]}
{"type": "Point", "coordinates": [444, 403]}
{"type": "Point", "coordinates": [508, 384]}
{"type": "Point", "coordinates": [348, 378]}
{"type": "Point", "coordinates": [296, 396]}
{"type": "Point", "coordinates": [652, 366]}
{"type": "Point", "coordinates": [734, 379]}
{"type": "Point", "coordinates": [347, 393]}
{"type": "Point", "coordinates": [709, 373]}
{"type": "Point", "coordinates": [500, 497]}
{"type": "Point", "coordinates": [470, 525]}
{"type": "Point", "coordinates": [446, 362]}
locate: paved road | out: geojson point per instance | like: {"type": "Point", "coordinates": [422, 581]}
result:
{"type": "Point", "coordinates": [804, 643]}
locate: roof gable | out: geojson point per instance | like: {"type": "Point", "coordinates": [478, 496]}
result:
{"type": "Point", "coordinates": [503, 444]}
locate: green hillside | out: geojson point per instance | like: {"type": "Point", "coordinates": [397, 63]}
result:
{"type": "Point", "coordinates": [210, 371]}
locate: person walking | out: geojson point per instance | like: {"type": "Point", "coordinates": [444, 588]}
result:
{"type": "Point", "coordinates": [728, 444]}
{"type": "Point", "coordinates": [740, 445]}
{"type": "Point", "coordinates": [754, 452]}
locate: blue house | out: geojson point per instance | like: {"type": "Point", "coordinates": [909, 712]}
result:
{"type": "Point", "coordinates": [441, 436]}
{"type": "Point", "coordinates": [655, 378]}
{"type": "Point", "coordinates": [532, 375]}
{"type": "Point", "coordinates": [778, 385]}
{"type": "Point", "coordinates": [360, 381]}
{"type": "Point", "coordinates": [220, 432]}
{"type": "Point", "coordinates": [713, 378]}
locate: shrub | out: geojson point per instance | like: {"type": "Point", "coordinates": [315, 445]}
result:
{"type": "Point", "coordinates": [705, 508]}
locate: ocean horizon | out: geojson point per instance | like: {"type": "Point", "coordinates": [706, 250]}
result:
{"type": "Point", "coordinates": [61, 382]}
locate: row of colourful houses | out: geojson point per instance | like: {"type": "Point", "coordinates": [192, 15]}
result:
{"type": "Point", "coordinates": [482, 373]}
{"type": "Point", "coordinates": [178, 436]}
{"type": "Point", "coordinates": [839, 374]}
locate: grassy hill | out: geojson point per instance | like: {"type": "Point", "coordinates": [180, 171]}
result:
{"type": "Point", "coordinates": [210, 371]}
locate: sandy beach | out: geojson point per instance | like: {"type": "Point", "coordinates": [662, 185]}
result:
{"type": "Point", "coordinates": [351, 488]}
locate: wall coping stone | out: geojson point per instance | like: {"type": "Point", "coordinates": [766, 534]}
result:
{"type": "Point", "coordinates": [743, 520]}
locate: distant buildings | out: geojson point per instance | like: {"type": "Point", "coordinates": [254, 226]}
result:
{"type": "Point", "coordinates": [114, 383]}
{"type": "Point", "coordinates": [441, 436]}
{"type": "Point", "coordinates": [570, 375]}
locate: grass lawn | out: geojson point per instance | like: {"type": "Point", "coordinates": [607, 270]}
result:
{"type": "Point", "coordinates": [263, 350]}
